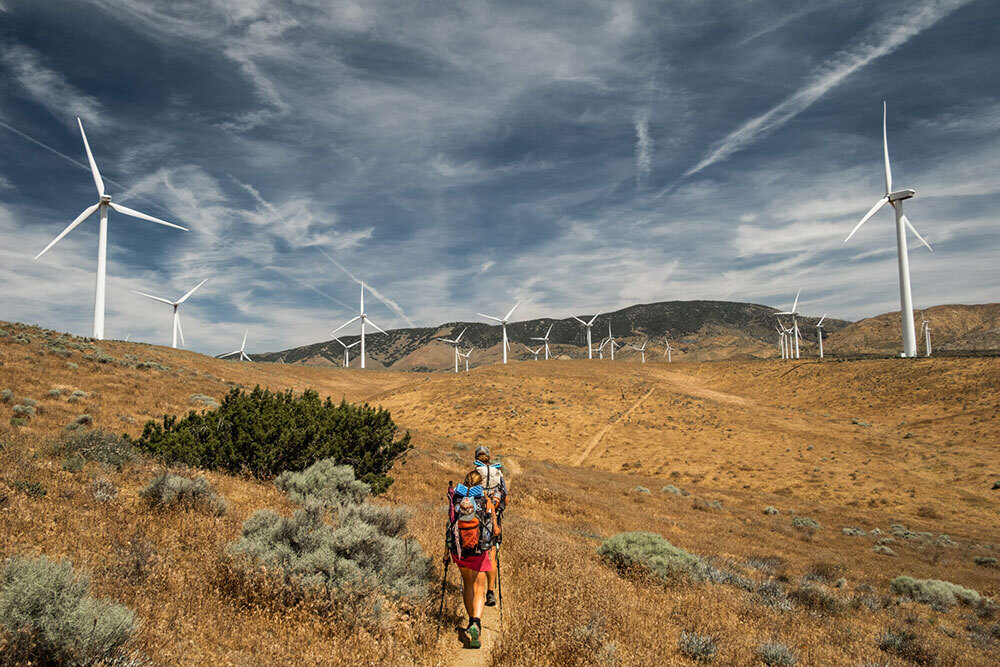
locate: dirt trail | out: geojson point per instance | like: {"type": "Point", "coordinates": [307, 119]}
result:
{"type": "Point", "coordinates": [607, 428]}
{"type": "Point", "coordinates": [459, 656]}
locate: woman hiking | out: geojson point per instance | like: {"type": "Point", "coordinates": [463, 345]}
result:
{"type": "Point", "coordinates": [495, 487]}
{"type": "Point", "coordinates": [469, 540]}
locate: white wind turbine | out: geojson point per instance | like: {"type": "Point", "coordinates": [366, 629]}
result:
{"type": "Point", "coordinates": [642, 349]}
{"type": "Point", "coordinates": [792, 351]}
{"type": "Point", "coordinates": [534, 352]}
{"type": "Point", "coordinates": [926, 326]}
{"type": "Point", "coordinates": [895, 199]}
{"type": "Point", "coordinates": [545, 339]}
{"type": "Point", "coordinates": [347, 350]}
{"type": "Point", "coordinates": [781, 339]}
{"type": "Point", "coordinates": [104, 202]}
{"type": "Point", "coordinates": [176, 305]}
{"type": "Point", "coordinates": [611, 339]}
{"type": "Point", "coordinates": [819, 334]}
{"type": "Point", "coordinates": [590, 346]}
{"type": "Point", "coordinates": [503, 323]}
{"type": "Point", "coordinates": [667, 352]}
{"type": "Point", "coordinates": [466, 357]}
{"type": "Point", "coordinates": [455, 343]}
{"type": "Point", "coordinates": [241, 351]}
{"type": "Point", "coordinates": [364, 318]}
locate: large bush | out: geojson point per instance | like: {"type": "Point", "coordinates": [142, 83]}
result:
{"type": "Point", "coordinates": [47, 617]}
{"type": "Point", "coordinates": [937, 593]}
{"type": "Point", "coordinates": [266, 433]}
{"type": "Point", "coordinates": [651, 552]}
{"type": "Point", "coordinates": [167, 491]}
{"type": "Point", "coordinates": [102, 446]}
{"type": "Point", "coordinates": [325, 481]}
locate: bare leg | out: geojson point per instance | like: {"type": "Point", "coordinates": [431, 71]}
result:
{"type": "Point", "coordinates": [469, 590]}
{"type": "Point", "coordinates": [491, 576]}
{"type": "Point", "coordinates": [479, 594]}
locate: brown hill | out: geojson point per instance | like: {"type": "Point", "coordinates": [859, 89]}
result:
{"type": "Point", "coordinates": [954, 328]}
{"type": "Point", "coordinates": [872, 444]}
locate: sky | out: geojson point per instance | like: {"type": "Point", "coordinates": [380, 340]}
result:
{"type": "Point", "coordinates": [579, 156]}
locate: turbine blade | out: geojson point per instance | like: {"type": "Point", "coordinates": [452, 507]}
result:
{"type": "Point", "coordinates": [460, 336]}
{"type": "Point", "coordinates": [339, 341]}
{"type": "Point", "coordinates": [885, 147]}
{"type": "Point", "coordinates": [98, 181]}
{"type": "Point", "coordinates": [362, 296]}
{"type": "Point", "coordinates": [906, 221]}
{"type": "Point", "coordinates": [592, 319]}
{"type": "Point", "coordinates": [136, 214]}
{"type": "Point", "coordinates": [376, 326]}
{"type": "Point", "coordinates": [490, 317]}
{"type": "Point", "coordinates": [350, 321]}
{"type": "Point", "coordinates": [154, 298]}
{"type": "Point", "coordinates": [820, 323]}
{"type": "Point", "coordinates": [228, 354]}
{"type": "Point", "coordinates": [243, 346]}
{"type": "Point", "coordinates": [180, 331]}
{"type": "Point", "coordinates": [578, 320]}
{"type": "Point", "coordinates": [185, 297]}
{"type": "Point", "coordinates": [874, 209]}
{"type": "Point", "coordinates": [357, 342]}
{"type": "Point", "coordinates": [549, 331]}
{"type": "Point", "coordinates": [87, 212]}
{"type": "Point", "coordinates": [512, 310]}
{"type": "Point", "coordinates": [796, 302]}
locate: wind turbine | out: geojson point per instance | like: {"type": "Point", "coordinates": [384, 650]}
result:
{"type": "Point", "coordinates": [611, 339]}
{"type": "Point", "coordinates": [926, 326]}
{"type": "Point", "coordinates": [503, 323]}
{"type": "Point", "coordinates": [104, 202]}
{"type": "Point", "coordinates": [455, 343]}
{"type": "Point", "coordinates": [667, 352]}
{"type": "Point", "coordinates": [128, 336]}
{"type": "Point", "coordinates": [642, 349]}
{"type": "Point", "coordinates": [176, 305]}
{"type": "Point", "coordinates": [781, 339]}
{"type": "Point", "coordinates": [819, 334]}
{"type": "Point", "coordinates": [241, 351]}
{"type": "Point", "coordinates": [895, 199]}
{"type": "Point", "coordinates": [590, 347]}
{"type": "Point", "coordinates": [466, 357]}
{"type": "Point", "coordinates": [347, 350]}
{"type": "Point", "coordinates": [534, 352]}
{"type": "Point", "coordinates": [546, 340]}
{"type": "Point", "coordinates": [364, 318]}
{"type": "Point", "coordinates": [795, 324]}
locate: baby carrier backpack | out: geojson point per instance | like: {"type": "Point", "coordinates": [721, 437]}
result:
{"type": "Point", "coordinates": [474, 536]}
{"type": "Point", "coordinates": [494, 485]}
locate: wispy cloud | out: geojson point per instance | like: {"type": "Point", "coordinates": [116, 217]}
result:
{"type": "Point", "coordinates": [49, 87]}
{"type": "Point", "coordinates": [879, 41]}
{"type": "Point", "coordinates": [389, 303]}
{"type": "Point", "coordinates": [643, 145]}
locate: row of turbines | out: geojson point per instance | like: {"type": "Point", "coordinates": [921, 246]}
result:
{"type": "Point", "coordinates": [788, 336]}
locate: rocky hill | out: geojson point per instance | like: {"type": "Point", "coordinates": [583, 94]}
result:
{"type": "Point", "coordinates": [698, 330]}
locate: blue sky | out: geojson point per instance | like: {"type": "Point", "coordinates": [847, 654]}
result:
{"type": "Point", "coordinates": [580, 156]}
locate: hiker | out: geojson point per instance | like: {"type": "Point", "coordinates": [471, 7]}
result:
{"type": "Point", "coordinates": [495, 487]}
{"type": "Point", "coordinates": [469, 540]}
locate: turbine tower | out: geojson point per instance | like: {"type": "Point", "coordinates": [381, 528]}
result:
{"type": "Point", "coordinates": [590, 347]}
{"type": "Point", "coordinates": [534, 352]}
{"type": "Point", "coordinates": [241, 351]}
{"type": "Point", "coordinates": [895, 199]}
{"type": "Point", "coordinates": [611, 339]}
{"type": "Point", "coordinates": [926, 326]}
{"type": "Point", "coordinates": [503, 323]}
{"type": "Point", "coordinates": [667, 352]}
{"type": "Point", "coordinates": [642, 349]}
{"type": "Point", "coordinates": [176, 305]}
{"type": "Point", "coordinates": [781, 339]}
{"type": "Point", "coordinates": [347, 350]}
{"type": "Point", "coordinates": [794, 329]}
{"type": "Point", "coordinates": [455, 343]}
{"type": "Point", "coordinates": [466, 357]}
{"type": "Point", "coordinates": [364, 318]}
{"type": "Point", "coordinates": [545, 339]}
{"type": "Point", "coordinates": [819, 334]}
{"type": "Point", "coordinates": [103, 204]}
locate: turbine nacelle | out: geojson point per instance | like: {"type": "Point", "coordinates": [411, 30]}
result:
{"type": "Point", "coordinates": [900, 195]}
{"type": "Point", "coordinates": [105, 199]}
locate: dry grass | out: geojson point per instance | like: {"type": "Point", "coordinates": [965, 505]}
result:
{"type": "Point", "coordinates": [719, 431]}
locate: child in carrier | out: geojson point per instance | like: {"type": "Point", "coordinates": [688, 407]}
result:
{"type": "Point", "coordinates": [469, 539]}
{"type": "Point", "coordinates": [495, 486]}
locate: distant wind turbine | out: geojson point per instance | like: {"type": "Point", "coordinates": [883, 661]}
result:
{"type": "Point", "coordinates": [128, 336]}
{"type": "Point", "coordinates": [503, 323]}
{"type": "Point", "coordinates": [455, 343]}
{"type": "Point", "coordinates": [104, 202]}
{"type": "Point", "coordinates": [347, 350]}
{"type": "Point", "coordinates": [176, 305]}
{"type": "Point", "coordinates": [819, 334]}
{"type": "Point", "coordinates": [545, 338]}
{"type": "Point", "coordinates": [667, 352]}
{"type": "Point", "coordinates": [241, 351]}
{"type": "Point", "coordinates": [590, 346]}
{"type": "Point", "coordinates": [926, 326]}
{"type": "Point", "coordinates": [895, 199]}
{"type": "Point", "coordinates": [642, 349]}
{"type": "Point", "coordinates": [795, 325]}
{"type": "Point", "coordinates": [466, 357]}
{"type": "Point", "coordinates": [611, 339]}
{"type": "Point", "coordinates": [534, 352]}
{"type": "Point", "coordinates": [364, 318]}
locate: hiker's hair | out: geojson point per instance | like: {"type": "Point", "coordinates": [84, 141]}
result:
{"type": "Point", "coordinates": [483, 456]}
{"type": "Point", "coordinates": [473, 479]}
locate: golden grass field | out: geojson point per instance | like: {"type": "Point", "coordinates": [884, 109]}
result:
{"type": "Point", "coordinates": [861, 444]}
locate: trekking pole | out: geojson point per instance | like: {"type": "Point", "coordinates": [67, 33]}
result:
{"type": "Point", "coordinates": [499, 587]}
{"type": "Point", "coordinates": [444, 582]}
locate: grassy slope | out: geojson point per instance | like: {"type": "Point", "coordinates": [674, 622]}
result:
{"type": "Point", "coordinates": [736, 432]}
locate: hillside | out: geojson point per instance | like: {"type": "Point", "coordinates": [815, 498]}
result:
{"type": "Point", "coordinates": [902, 453]}
{"type": "Point", "coordinates": [698, 330]}
{"type": "Point", "coordinates": [954, 328]}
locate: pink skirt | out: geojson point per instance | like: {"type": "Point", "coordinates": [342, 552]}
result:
{"type": "Point", "coordinates": [480, 563]}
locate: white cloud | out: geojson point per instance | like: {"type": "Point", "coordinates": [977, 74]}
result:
{"type": "Point", "coordinates": [49, 87]}
{"type": "Point", "coordinates": [643, 145]}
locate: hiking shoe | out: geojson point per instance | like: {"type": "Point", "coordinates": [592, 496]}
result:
{"type": "Point", "coordinates": [491, 599]}
{"type": "Point", "coordinates": [473, 633]}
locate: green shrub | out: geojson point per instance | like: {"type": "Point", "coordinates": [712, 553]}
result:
{"type": "Point", "coordinates": [29, 402]}
{"type": "Point", "coordinates": [391, 521]}
{"type": "Point", "coordinates": [47, 617]}
{"type": "Point", "coordinates": [642, 489]}
{"type": "Point", "coordinates": [84, 420]}
{"type": "Point", "coordinates": [266, 433]}
{"type": "Point", "coordinates": [72, 366]}
{"type": "Point", "coordinates": [673, 490]}
{"type": "Point", "coordinates": [816, 599]}
{"type": "Point", "coordinates": [770, 509]}
{"type": "Point", "coordinates": [24, 410]}
{"type": "Point", "coordinates": [30, 489]}
{"type": "Point", "coordinates": [6, 396]}
{"type": "Point", "coordinates": [97, 445]}
{"type": "Point", "coordinates": [461, 446]}
{"type": "Point", "coordinates": [906, 645]}
{"type": "Point", "coordinates": [883, 550]}
{"type": "Point", "coordinates": [103, 490]}
{"type": "Point", "coordinates": [55, 393]}
{"type": "Point", "coordinates": [80, 393]}
{"type": "Point", "coordinates": [18, 421]}
{"type": "Point", "coordinates": [986, 561]}
{"type": "Point", "coordinates": [168, 491]}
{"type": "Point", "coordinates": [652, 553]}
{"type": "Point", "coordinates": [73, 463]}
{"type": "Point", "coordinates": [700, 648]}
{"type": "Point", "coordinates": [805, 522]}
{"type": "Point", "coordinates": [775, 654]}
{"type": "Point", "coordinates": [853, 532]}
{"type": "Point", "coordinates": [204, 400]}
{"type": "Point", "coordinates": [939, 594]}
{"type": "Point", "coordinates": [325, 481]}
